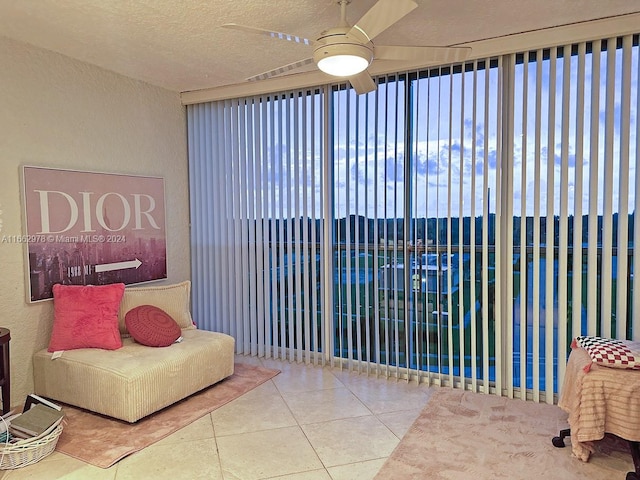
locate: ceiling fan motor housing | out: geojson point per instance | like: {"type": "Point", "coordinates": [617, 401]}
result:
{"type": "Point", "coordinates": [335, 42]}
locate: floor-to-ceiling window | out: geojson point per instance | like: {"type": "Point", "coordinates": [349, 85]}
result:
{"type": "Point", "coordinates": [573, 185]}
{"type": "Point", "coordinates": [458, 225]}
{"type": "Point", "coordinates": [415, 167]}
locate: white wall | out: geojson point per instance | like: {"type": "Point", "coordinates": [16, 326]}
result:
{"type": "Point", "coordinates": [58, 112]}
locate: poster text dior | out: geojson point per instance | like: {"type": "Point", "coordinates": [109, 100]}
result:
{"type": "Point", "coordinates": [87, 228]}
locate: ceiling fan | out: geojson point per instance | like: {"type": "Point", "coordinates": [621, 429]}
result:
{"type": "Point", "coordinates": [347, 51]}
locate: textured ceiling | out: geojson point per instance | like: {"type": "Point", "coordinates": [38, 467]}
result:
{"type": "Point", "coordinates": [178, 45]}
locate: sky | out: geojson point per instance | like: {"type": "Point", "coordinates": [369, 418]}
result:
{"type": "Point", "coordinates": [455, 146]}
{"type": "Point", "coordinates": [452, 143]}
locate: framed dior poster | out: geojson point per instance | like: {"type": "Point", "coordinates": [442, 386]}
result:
{"type": "Point", "coordinates": [90, 228]}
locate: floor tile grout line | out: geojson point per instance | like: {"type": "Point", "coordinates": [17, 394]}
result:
{"type": "Point", "coordinates": [326, 468]}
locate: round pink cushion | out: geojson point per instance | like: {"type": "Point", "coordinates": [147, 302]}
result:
{"type": "Point", "coordinates": [152, 326]}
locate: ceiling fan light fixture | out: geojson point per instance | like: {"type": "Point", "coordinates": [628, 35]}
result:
{"type": "Point", "coordinates": [343, 59]}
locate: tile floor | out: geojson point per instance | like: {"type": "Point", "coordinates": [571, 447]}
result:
{"type": "Point", "coordinates": [307, 423]}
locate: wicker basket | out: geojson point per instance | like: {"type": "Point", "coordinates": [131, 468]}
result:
{"type": "Point", "coordinates": [28, 451]}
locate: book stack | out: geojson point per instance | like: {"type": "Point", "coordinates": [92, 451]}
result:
{"type": "Point", "coordinates": [39, 417]}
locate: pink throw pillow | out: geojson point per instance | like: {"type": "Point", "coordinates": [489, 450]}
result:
{"type": "Point", "coordinates": [86, 317]}
{"type": "Point", "coordinates": [152, 326]}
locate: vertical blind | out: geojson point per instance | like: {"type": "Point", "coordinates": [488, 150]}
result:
{"type": "Point", "coordinates": [458, 226]}
{"type": "Point", "coordinates": [412, 167]}
{"type": "Point", "coordinates": [256, 183]}
{"type": "Point", "coordinates": [575, 145]}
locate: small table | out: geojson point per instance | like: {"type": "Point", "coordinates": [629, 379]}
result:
{"type": "Point", "coordinates": [604, 400]}
{"type": "Point", "coordinates": [5, 381]}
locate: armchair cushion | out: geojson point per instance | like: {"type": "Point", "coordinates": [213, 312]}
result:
{"type": "Point", "coordinates": [174, 299]}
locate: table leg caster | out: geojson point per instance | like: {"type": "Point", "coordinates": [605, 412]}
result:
{"type": "Point", "coordinates": [559, 440]}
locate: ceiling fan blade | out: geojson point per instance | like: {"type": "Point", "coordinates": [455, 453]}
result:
{"type": "Point", "coordinates": [269, 33]}
{"type": "Point", "coordinates": [362, 83]}
{"type": "Point", "coordinates": [421, 54]}
{"type": "Point", "coordinates": [281, 70]}
{"type": "Point", "coordinates": [380, 17]}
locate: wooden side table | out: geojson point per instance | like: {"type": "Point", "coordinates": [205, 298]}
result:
{"type": "Point", "coordinates": [5, 381]}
